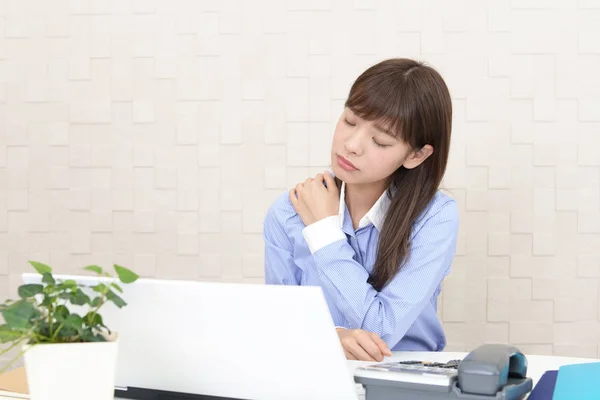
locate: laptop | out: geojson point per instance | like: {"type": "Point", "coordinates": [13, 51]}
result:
{"type": "Point", "coordinates": [227, 340]}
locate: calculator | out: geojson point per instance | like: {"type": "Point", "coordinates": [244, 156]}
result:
{"type": "Point", "coordinates": [418, 372]}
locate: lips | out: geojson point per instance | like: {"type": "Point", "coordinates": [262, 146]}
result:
{"type": "Point", "coordinates": [345, 164]}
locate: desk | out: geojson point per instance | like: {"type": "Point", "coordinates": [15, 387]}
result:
{"type": "Point", "coordinates": [537, 364]}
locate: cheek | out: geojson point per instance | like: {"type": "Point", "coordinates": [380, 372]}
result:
{"type": "Point", "coordinates": [338, 134]}
{"type": "Point", "coordinates": [385, 162]}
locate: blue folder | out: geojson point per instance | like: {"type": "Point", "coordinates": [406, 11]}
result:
{"type": "Point", "coordinates": [544, 388]}
{"type": "Point", "coordinates": [578, 381]}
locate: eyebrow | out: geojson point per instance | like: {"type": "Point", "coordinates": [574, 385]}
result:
{"type": "Point", "coordinates": [377, 126]}
{"type": "Point", "coordinates": [383, 130]}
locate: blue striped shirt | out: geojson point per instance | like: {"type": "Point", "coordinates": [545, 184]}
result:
{"type": "Point", "coordinates": [333, 255]}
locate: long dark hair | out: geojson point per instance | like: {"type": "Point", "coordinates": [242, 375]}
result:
{"type": "Point", "coordinates": [412, 100]}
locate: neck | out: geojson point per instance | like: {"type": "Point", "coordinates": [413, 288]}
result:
{"type": "Point", "coordinates": [360, 198]}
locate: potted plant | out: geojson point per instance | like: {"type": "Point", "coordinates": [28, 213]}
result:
{"type": "Point", "coordinates": [68, 355]}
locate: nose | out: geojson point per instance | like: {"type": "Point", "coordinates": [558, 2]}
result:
{"type": "Point", "coordinates": [354, 144]}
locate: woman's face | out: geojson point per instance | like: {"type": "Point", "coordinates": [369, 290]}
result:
{"type": "Point", "coordinates": [364, 152]}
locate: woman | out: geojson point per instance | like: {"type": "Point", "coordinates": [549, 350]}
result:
{"type": "Point", "coordinates": [380, 237]}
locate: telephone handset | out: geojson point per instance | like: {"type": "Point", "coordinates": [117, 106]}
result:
{"type": "Point", "coordinates": [489, 368]}
{"type": "Point", "coordinates": [491, 371]}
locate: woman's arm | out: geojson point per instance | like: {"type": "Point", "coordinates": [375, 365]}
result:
{"type": "Point", "coordinates": [280, 268]}
{"type": "Point", "coordinates": [391, 312]}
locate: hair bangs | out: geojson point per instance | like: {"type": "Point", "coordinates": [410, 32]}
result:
{"type": "Point", "coordinates": [386, 101]}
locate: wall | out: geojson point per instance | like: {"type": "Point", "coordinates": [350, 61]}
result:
{"type": "Point", "coordinates": [156, 133]}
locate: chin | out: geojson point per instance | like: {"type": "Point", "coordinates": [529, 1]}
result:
{"type": "Point", "coordinates": [339, 172]}
{"type": "Point", "coordinates": [344, 175]}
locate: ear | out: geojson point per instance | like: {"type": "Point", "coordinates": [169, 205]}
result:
{"type": "Point", "coordinates": [416, 158]}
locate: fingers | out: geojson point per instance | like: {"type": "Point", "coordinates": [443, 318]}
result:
{"type": "Point", "coordinates": [365, 340]}
{"type": "Point", "coordinates": [361, 345]}
{"type": "Point", "coordinates": [351, 346]}
{"type": "Point", "coordinates": [295, 192]}
{"type": "Point", "coordinates": [329, 180]}
{"type": "Point", "coordinates": [349, 355]}
{"type": "Point", "coordinates": [385, 350]}
{"type": "Point", "coordinates": [317, 180]}
{"type": "Point", "coordinates": [320, 179]}
{"type": "Point", "coordinates": [293, 197]}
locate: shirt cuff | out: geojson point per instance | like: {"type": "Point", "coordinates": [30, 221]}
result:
{"type": "Point", "coordinates": [323, 233]}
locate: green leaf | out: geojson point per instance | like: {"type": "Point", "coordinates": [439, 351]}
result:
{"type": "Point", "coordinates": [48, 278]}
{"type": "Point", "coordinates": [100, 288]}
{"type": "Point", "coordinates": [79, 298]}
{"type": "Point", "coordinates": [50, 289]}
{"type": "Point", "coordinates": [114, 285]}
{"type": "Point", "coordinates": [94, 268]}
{"type": "Point", "coordinates": [75, 322]}
{"type": "Point", "coordinates": [40, 268]}
{"type": "Point", "coordinates": [70, 284]}
{"type": "Point", "coordinates": [119, 302]}
{"type": "Point", "coordinates": [93, 319]}
{"type": "Point", "coordinates": [36, 313]}
{"type": "Point", "coordinates": [65, 295]}
{"type": "Point", "coordinates": [97, 302]}
{"type": "Point", "coordinates": [65, 335]}
{"type": "Point", "coordinates": [125, 275]}
{"type": "Point", "coordinates": [61, 313]}
{"type": "Point", "coordinates": [19, 314]}
{"type": "Point", "coordinates": [30, 290]}
{"type": "Point", "coordinates": [47, 301]}
{"type": "Point", "coordinates": [90, 337]}
{"type": "Point", "coordinates": [9, 335]}
{"type": "Point", "coordinates": [42, 330]}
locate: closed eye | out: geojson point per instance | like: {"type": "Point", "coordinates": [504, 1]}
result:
{"type": "Point", "coordinates": [380, 144]}
{"type": "Point", "coordinates": [348, 122]}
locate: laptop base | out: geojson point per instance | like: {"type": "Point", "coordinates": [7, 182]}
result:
{"type": "Point", "coordinates": [151, 394]}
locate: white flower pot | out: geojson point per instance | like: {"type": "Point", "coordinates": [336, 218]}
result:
{"type": "Point", "coordinates": [72, 371]}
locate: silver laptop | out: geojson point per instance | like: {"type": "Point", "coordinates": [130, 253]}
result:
{"type": "Point", "coordinates": [230, 340]}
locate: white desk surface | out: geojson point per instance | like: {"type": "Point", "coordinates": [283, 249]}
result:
{"type": "Point", "coordinates": [537, 364]}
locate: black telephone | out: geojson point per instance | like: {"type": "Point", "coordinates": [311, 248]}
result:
{"type": "Point", "coordinates": [491, 371]}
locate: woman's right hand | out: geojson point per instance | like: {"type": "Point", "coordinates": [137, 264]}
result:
{"type": "Point", "coordinates": [361, 345]}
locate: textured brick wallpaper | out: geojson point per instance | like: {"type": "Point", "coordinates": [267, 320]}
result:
{"type": "Point", "coordinates": [156, 133]}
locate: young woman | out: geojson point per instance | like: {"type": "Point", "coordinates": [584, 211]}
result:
{"type": "Point", "coordinates": [380, 237]}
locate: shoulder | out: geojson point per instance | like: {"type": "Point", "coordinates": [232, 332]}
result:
{"type": "Point", "coordinates": [442, 209]}
{"type": "Point", "coordinates": [280, 214]}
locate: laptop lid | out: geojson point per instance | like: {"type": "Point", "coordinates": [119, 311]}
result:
{"type": "Point", "coordinates": [245, 341]}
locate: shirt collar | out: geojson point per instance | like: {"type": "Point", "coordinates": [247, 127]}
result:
{"type": "Point", "coordinates": [375, 216]}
